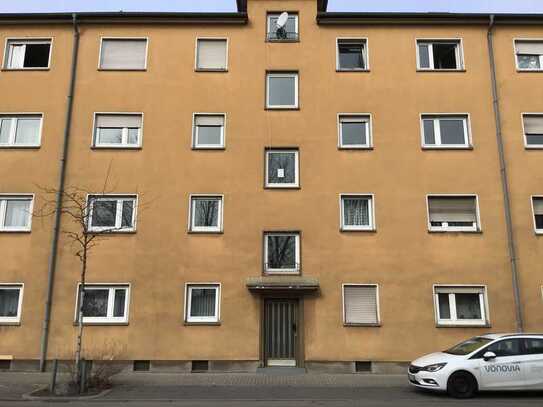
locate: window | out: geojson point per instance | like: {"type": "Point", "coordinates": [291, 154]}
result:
{"type": "Point", "coordinates": [282, 169]}
{"type": "Point", "coordinates": [202, 303]}
{"type": "Point", "coordinates": [289, 32]}
{"type": "Point", "coordinates": [458, 305]}
{"type": "Point", "coordinates": [211, 54]}
{"type": "Point", "coordinates": [354, 131]}
{"type": "Point", "coordinates": [206, 213]}
{"type": "Point", "coordinates": [351, 55]}
{"type": "Point", "coordinates": [128, 54]}
{"type": "Point", "coordinates": [357, 212]}
{"type": "Point", "coordinates": [453, 213]}
{"type": "Point", "coordinates": [15, 213]}
{"type": "Point", "coordinates": [537, 204]}
{"type": "Point", "coordinates": [20, 130]}
{"type": "Point", "coordinates": [109, 213]}
{"type": "Point", "coordinates": [360, 304]}
{"type": "Point", "coordinates": [282, 253]}
{"type": "Point", "coordinates": [445, 131]}
{"type": "Point", "coordinates": [533, 130]}
{"type": "Point", "coordinates": [507, 347]}
{"type": "Point", "coordinates": [104, 303]}
{"type": "Point", "coordinates": [282, 90]}
{"type": "Point", "coordinates": [529, 55]}
{"type": "Point", "coordinates": [208, 131]}
{"type": "Point", "coordinates": [27, 54]}
{"type": "Point", "coordinates": [438, 55]}
{"type": "Point", "coordinates": [116, 130]}
{"type": "Point", "coordinates": [11, 300]}
{"type": "Point", "coordinates": [533, 346]}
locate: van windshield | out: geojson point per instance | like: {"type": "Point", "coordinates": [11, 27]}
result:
{"type": "Point", "coordinates": [466, 347]}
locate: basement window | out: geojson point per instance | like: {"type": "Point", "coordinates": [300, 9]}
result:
{"type": "Point", "coordinates": [529, 55]}
{"type": "Point", "coordinates": [104, 304]}
{"type": "Point", "coordinates": [28, 54]}
{"type": "Point", "coordinates": [439, 55]}
{"type": "Point", "coordinates": [142, 365]}
{"type": "Point", "coordinates": [537, 202]}
{"type": "Point", "coordinates": [533, 130]}
{"type": "Point", "coordinates": [460, 305]}
{"type": "Point", "coordinates": [453, 213]}
{"type": "Point", "coordinates": [11, 299]}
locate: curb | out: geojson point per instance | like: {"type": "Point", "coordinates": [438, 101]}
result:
{"type": "Point", "coordinates": [30, 396]}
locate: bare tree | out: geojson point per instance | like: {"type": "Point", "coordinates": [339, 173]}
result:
{"type": "Point", "coordinates": [89, 222]}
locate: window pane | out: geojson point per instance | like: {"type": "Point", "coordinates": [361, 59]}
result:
{"type": "Point", "coordinates": [353, 133]}
{"type": "Point", "coordinates": [509, 347]}
{"type": "Point", "coordinates": [282, 91]}
{"type": "Point", "coordinates": [424, 56]}
{"type": "Point", "coordinates": [128, 214]}
{"type": "Point", "coordinates": [289, 29]}
{"type": "Point", "coordinates": [356, 212]}
{"type": "Point", "coordinates": [528, 61]}
{"type": "Point", "coordinates": [444, 307]}
{"type": "Point", "coordinates": [202, 302]}
{"type": "Point", "coordinates": [429, 135]}
{"type": "Point", "coordinates": [444, 56]}
{"type": "Point", "coordinates": [534, 139]}
{"type": "Point", "coordinates": [120, 297]}
{"type": "Point", "coordinates": [539, 222]}
{"type": "Point", "coordinates": [452, 131]}
{"type": "Point", "coordinates": [110, 135]}
{"type": "Point", "coordinates": [534, 346]}
{"type": "Point", "coordinates": [206, 212]}
{"type": "Point", "coordinates": [5, 126]}
{"type": "Point", "coordinates": [95, 303]}
{"type": "Point", "coordinates": [104, 213]}
{"type": "Point", "coordinates": [281, 251]}
{"type": "Point", "coordinates": [209, 135]}
{"type": "Point", "coordinates": [9, 302]}
{"type": "Point", "coordinates": [351, 56]}
{"type": "Point", "coordinates": [37, 55]}
{"type": "Point", "coordinates": [27, 131]}
{"type": "Point", "coordinates": [468, 306]}
{"type": "Point", "coordinates": [133, 135]}
{"type": "Point", "coordinates": [281, 168]}
{"type": "Point", "coordinates": [17, 213]}
{"type": "Point", "coordinates": [17, 55]}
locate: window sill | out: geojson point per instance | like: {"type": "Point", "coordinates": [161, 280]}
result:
{"type": "Point", "coordinates": [122, 69]}
{"type": "Point", "coordinates": [441, 70]}
{"type": "Point", "coordinates": [353, 324]}
{"type": "Point", "coordinates": [460, 325]}
{"type": "Point", "coordinates": [352, 70]}
{"type": "Point", "coordinates": [205, 232]}
{"type": "Point", "coordinates": [447, 148]}
{"type": "Point", "coordinates": [282, 108]}
{"type": "Point", "coordinates": [196, 148]}
{"type": "Point", "coordinates": [355, 148]}
{"type": "Point", "coordinates": [112, 232]}
{"type": "Point", "coordinates": [219, 70]}
{"type": "Point", "coordinates": [372, 230]}
{"type": "Point", "coordinates": [455, 231]}
{"type": "Point", "coordinates": [529, 70]}
{"type": "Point", "coordinates": [534, 147]}
{"type": "Point", "coordinates": [293, 40]}
{"type": "Point", "coordinates": [270, 187]}
{"type": "Point", "coordinates": [116, 147]}
{"type": "Point", "coordinates": [189, 323]}
{"type": "Point", "coordinates": [283, 273]}
{"type": "Point", "coordinates": [7, 323]}
{"type": "Point", "coordinates": [25, 69]}
{"type": "Point", "coordinates": [102, 323]}
{"type": "Point", "coordinates": [15, 231]}
{"type": "Point", "coordinates": [15, 147]}
{"type": "Point", "coordinates": [539, 232]}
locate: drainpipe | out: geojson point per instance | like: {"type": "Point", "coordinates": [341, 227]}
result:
{"type": "Point", "coordinates": [60, 192]}
{"type": "Point", "coordinates": [504, 181]}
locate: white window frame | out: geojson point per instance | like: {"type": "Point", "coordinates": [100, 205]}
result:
{"type": "Point", "coordinates": [188, 303]}
{"type": "Point", "coordinates": [195, 144]}
{"type": "Point", "coordinates": [14, 117]}
{"type": "Point", "coordinates": [532, 202]}
{"type": "Point", "coordinates": [371, 210]}
{"type": "Point", "coordinates": [283, 74]}
{"type": "Point", "coordinates": [446, 228]}
{"type": "Point", "coordinates": [522, 116]}
{"type": "Point", "coordinates": [453, 289]}
{"type": "Point", "coordinates": [519, 69]}
{"type": "Point", "coordinates": [124, 143]}
{"type": "Point", "coordinates": [437, 117]}
{"type": "Point", "coordinates": [20, 197]}
{"type": "Point", "coordinates": [192, 209]}
{"type": "Point", "coordinates": [271, 14]}
{"type": "Point", "coordinates": [118, 219]}
{"type": "Point", "coordinates": [17, 319]}
{"type": "Point", "coordinates": [146, 39]}
{"type": "Point", "coordinates": [197, 50]}
{"type": "Point", "coordinates": [297, 268]}
{"type": "Point", "coordinates": [24, 41]}
{"type": "Point", "coordinates": [364, 41]}
{"type": "Point", "coordinates": [343, 286]}
{"type": "Point", "coordinates": [109, 319]}
{"type": "Point", "coordinates": [460, 63]}
{"type": "Point", "coordinates": [355, 118]}
{"type": "Point", "coordinates": [296, 183]}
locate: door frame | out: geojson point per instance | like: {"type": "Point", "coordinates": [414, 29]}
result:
{"type": "Point", "coordinates": [299, 343]}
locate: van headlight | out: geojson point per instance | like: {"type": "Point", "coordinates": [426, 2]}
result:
{"type": "Point", "coordinates": [434, 368]}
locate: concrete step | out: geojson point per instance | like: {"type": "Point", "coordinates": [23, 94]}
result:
{"type": "Point", "coordinates": [281, 371]}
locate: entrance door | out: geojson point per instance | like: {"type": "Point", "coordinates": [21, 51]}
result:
{"type": "Point", "coordinates": [280, 336]}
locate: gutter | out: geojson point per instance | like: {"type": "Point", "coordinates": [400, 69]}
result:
{"type": "Point", "coordinates": [504, 180]}
{"type": "Point", "coordinates": [59, 195]}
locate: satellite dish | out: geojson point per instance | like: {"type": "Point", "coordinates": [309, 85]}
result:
{"type": "Point", "coordinates": [282, 20]}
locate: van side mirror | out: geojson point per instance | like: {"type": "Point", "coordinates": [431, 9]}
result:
{"type": "Point", "coordinates": [489, 356]}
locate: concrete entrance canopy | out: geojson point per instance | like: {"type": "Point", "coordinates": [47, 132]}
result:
{"type": "Point", "coordinates": [298, 284]}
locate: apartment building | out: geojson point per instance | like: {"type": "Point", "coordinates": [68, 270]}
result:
{"type": "Point", "coordinates": [339, 191]}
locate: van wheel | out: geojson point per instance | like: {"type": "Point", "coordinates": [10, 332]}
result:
{"type": "Point", "coordinates": [462, 385]}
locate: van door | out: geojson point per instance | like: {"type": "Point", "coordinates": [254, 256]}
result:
{"type": "Point", "coordinates": [533, 361]}
{"type": "Point", "coordinates": [506, 371]}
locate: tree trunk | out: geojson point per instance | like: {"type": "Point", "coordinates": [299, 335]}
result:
{"type": "Point", "coordinates": [80, 313]}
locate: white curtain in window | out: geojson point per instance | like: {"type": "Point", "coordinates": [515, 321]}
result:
{"type": "Point", "coordinates": [360, 304]}
{"type": "Point", "coordinates": [533, 124]}
{"type": "Point", "coordinates": [529, 47]}
{"type": "Point", "coordinates": [16, 56]}
{"type": "Point", "coordinates": [17, 213]}
{"type": "Point", "coordinates": [202, 302]}
{"type": "Point", "coordinates": [452, 209]}
{"type": "Point", "coordinates": [123, 54]}
{"type": "Point", "coordinates": [9, 302]}
{"type": "Point", "coordinates": [356, 211]}
{"type": "Point", "coordinates": [212, 54]}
